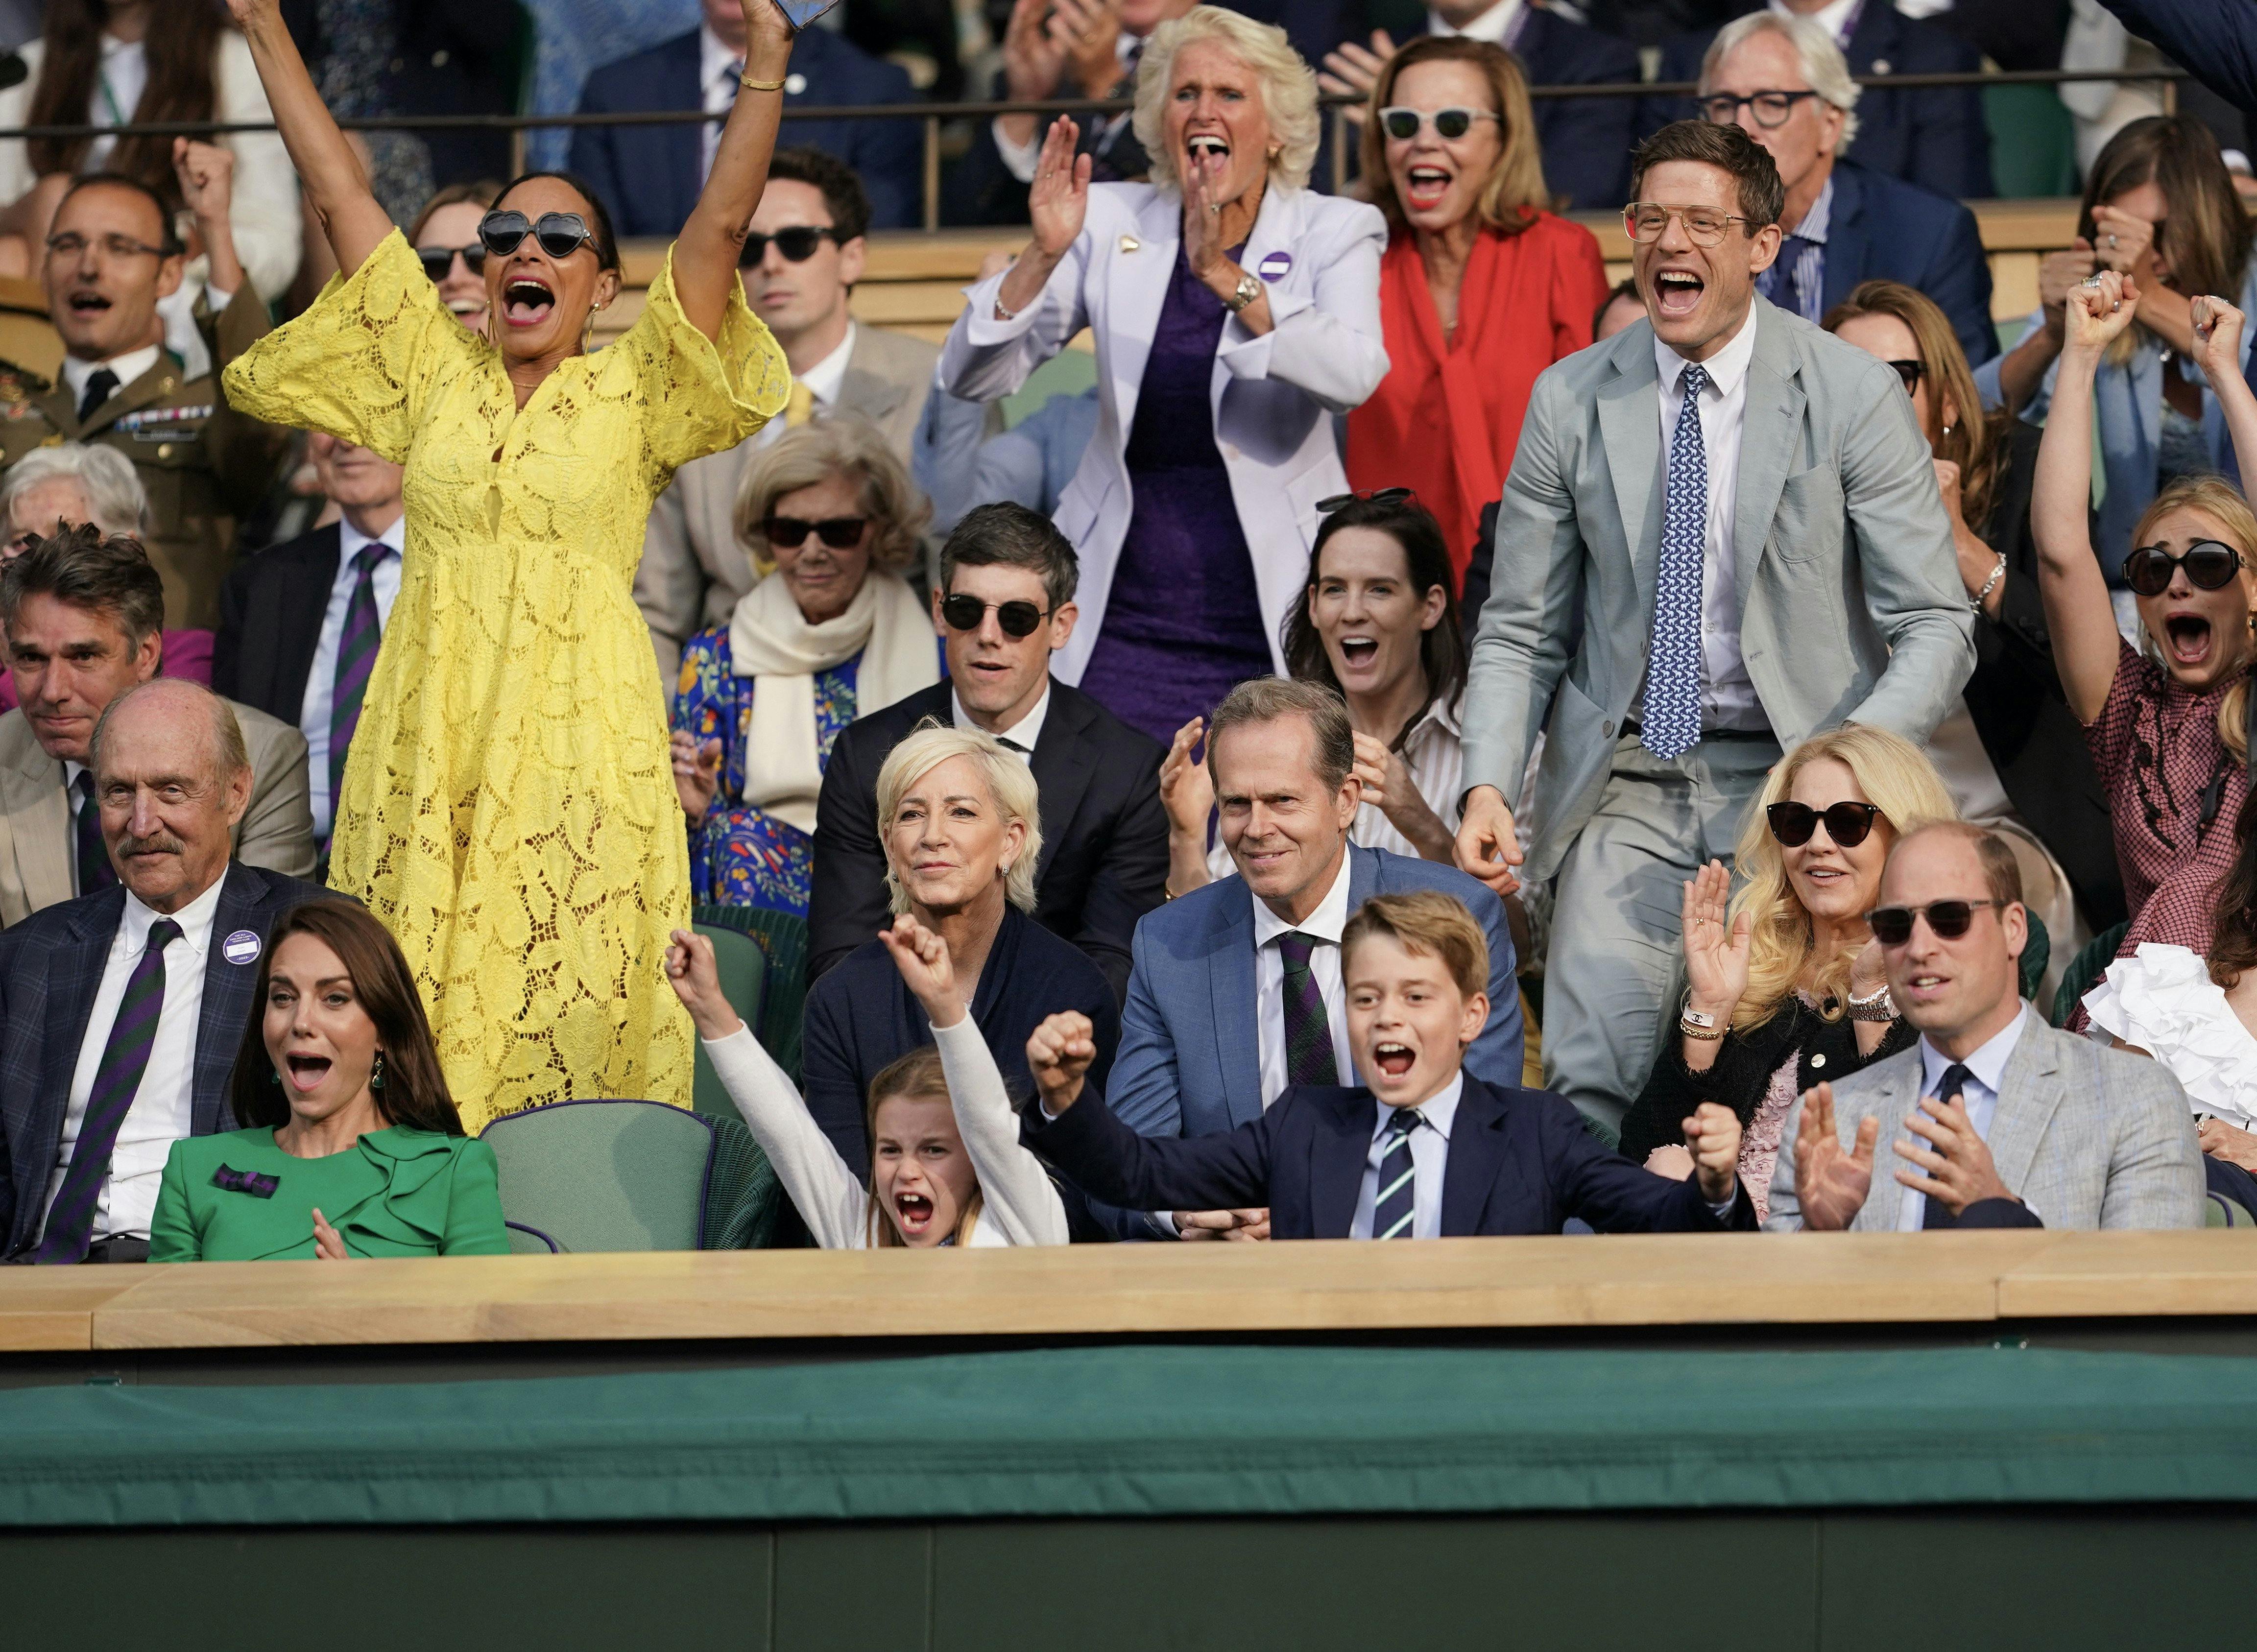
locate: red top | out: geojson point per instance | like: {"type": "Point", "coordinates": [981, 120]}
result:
{"type": "Point", "coordinates": [1445, 421]}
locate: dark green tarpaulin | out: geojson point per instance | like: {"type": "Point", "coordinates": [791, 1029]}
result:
{"type": "Point", "coordinates": [1149, 1430]}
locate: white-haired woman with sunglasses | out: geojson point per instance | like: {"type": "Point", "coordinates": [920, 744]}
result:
{"type": "Point", "coordinates": [1234, 313]}
{"type": "Point", "coordinates": [830, 519]}
{"type": "Point", "coordinates": [506, 808]}
{"type": "Point", "coordinates": [1784, 984]}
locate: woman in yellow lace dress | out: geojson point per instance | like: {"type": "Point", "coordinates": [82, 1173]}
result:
{"type": "Point", "coordinates": [508, 808]}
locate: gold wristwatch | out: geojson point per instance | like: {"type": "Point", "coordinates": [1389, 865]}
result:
{"type": "Point", "coordinates": [1249, 289]}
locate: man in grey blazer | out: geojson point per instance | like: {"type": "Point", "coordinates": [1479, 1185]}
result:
{"type": "Point", "coordinates": [82, 616]}
{"type": "Point", "coordinates": [2010, 1123]}
{"type": "Point", "coordinates": [1684, 584]}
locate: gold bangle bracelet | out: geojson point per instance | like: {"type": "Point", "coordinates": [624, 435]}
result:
{"type": "Point", "coordinates": [752, 85]}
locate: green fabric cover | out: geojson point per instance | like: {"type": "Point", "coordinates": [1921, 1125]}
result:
{"type": "Point", "coordinates": [742, 965]}
{"type": "Point", "coordinates": [1148, 1429]}
{"type": "Point", "coordinates": [744, 1196]}
{"type": "Point", "coordinates": [782, 936]}
{"type": "Point", "coordinates": [606, 1176]}
{"type": "Point", "coordinates": [2085, 971]}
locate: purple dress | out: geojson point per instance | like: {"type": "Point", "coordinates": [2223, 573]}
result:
{"type": "Point", "coordinates": [1183, 622]}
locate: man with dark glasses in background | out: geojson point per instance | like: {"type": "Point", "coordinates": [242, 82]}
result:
{"type": "Point", "coordinates": [1995, 1119]}
{"type": "Point", "coordinates": [1004, 606]}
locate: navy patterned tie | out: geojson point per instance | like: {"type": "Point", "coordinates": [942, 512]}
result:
{"type": "Point", "coordinates": [1954, 1082]}
{"type": "Point", "coordinates": [94, 872]}
{"type": "Point", "coordinates": [1308, 1029]}
{"type": "Point", "coordinates": [356, 658]}
{"type": "Point", "coordinates": [1672, 724]}
{"type": "Point", "coordinates": [1398, 1177]}
{"type": "Point", "coordinates": [70, 1219]}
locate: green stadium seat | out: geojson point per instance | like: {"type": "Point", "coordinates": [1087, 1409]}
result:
{"type": "Point", "coordinates": [782, 936]}
{"type": "Point", "coordinates": [631, 1175]}
{"type": "Point", "coordinates": [2037, 952]}
{"type": "Point", "coordinates": [2085, 971]}
{"type": "Point", "coordinates": [2032, 141]}
{"type": "Point", "coordinates": [742, 965]}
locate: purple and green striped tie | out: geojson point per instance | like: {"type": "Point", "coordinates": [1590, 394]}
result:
{"type": "Point", "coordinates": [94, 872]}
{"type": "Point", "coordinates": [356, 658]}
{"type": "Point", "coordinates": [70, 1219]}
{"type": "Point", "coordinates": [1308, 1029]}
{"type": "Point", "coordinates": [1398, 1177]}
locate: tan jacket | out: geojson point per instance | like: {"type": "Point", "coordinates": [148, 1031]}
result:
{"type": "Point", "coordinates": [36, 845]}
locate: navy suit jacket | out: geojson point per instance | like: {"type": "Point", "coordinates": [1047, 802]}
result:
{"type": "Point", "coordinates": [271, 610]}
{"type": "Point", "coordinates": [649, 177]}
{"type": "Point", "coordinates": [1936, 138]}
{"type": "Point", "coordinates": [2215, 40]}
{"type": "Point", "coordinates": [1520, 1161]}
{"type": "Point", "coordinates": [1190, 1064]}
{"type": "Point", "coordinates": [1586, 140]}
{"type": "Point", "coordinates": [1882, 227]}
{"type": "Point", "coordinates": [50, 967]}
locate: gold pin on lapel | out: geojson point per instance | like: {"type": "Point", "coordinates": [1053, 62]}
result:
{"type": "Point", "coordinates": [1131, 244]}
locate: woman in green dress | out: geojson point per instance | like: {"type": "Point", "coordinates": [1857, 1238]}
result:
{"type": "Point", "coordinates": [354, 1147]}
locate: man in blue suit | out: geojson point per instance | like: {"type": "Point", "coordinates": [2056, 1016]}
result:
{"type": "Point", "coordinates": [1422, 1150]}
{"type": "Point", "coordinates": [1935, 137]}
{"type": "Point", "coordinates": [649, 177]}
{"type": "Point", "coordinates": [1235, 992]}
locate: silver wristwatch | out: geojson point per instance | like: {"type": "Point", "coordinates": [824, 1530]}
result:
{"type": "Point", "coordinates": [1249, 289]}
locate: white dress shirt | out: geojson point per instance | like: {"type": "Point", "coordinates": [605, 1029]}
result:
{"type": "Point", "coordinates": [1837, 17]}
{"type": "Point", "coordinates": [1435, 755]}
{"type": "Point", "coordinates": [120, 78]}
{"type": "Point", "coordinates": [322, 680]}
{"type": "Point", "coordinates": [1728, 696]}
{"type": "Point", "coordinates": [127, 367]}
{"type": "Point", "coordinates": [1430, 1155]}
{"type": "Point", "coordinates": [1023, 733]}
{"type": "Point", "coordinates": [162, 1110]}
{"type": "Point", "coordinates": [824, 381]}
{"type": "Point", "coordinates": [1499, 25]}
{"type": "Point", "coordinates": [1987, 1067]}
{"type": "Point", "coordinates": [1325, 925]}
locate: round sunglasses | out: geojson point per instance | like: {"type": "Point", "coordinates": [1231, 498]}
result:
{"type": "Point", "coordinates": [1848, 824]}
{"type": "Point", "coordinates": [438, 260]}
{"type": "Point", "coordinates": [2210, 566]}
{"type": "Point", "coordinates": [840, 532]}
{"type": "Point", "coordinates": [966, 613]}
{"type": "Point", "coordinates": [1403, 124]}
{"type": "Point", "coordinates": [1892, 926]}
{"type": "Point", "coordinates": [561, 234]}
{"type": "Point", "coordinates": [797, 244]}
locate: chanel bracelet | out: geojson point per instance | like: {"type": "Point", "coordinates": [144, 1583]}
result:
{"type": "Point", "coordinates": [1699, 1024]}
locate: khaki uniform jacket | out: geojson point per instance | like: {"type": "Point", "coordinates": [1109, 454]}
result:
{"type": "Point", "coordinates": [38, 849]}
{"type": "Point", "coordinates": [203, 464]}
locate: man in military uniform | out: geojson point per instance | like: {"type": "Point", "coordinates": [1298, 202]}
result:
{"type": "Point", "coordinates": [112, 254]}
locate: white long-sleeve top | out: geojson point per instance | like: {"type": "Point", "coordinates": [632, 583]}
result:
{"type": "Point", "coordinates": [1018, 1204]}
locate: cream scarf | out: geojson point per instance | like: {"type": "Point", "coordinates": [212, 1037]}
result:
{"type": "Point", "coordinates": [771, 641]}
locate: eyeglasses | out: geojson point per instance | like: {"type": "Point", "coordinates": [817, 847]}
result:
{"type": "Point", "coordinates": [1848, 824]}
{"type": "Point", "coordinates": [797, 244]}
{"type": "Point", "coordinates": [1704, 226]}
{"type": "Point", "coordinates": [1771, 109]}
{"type": "Point", "coordinates": [71, 244]}
{"type": "Point", "coordinates": [2210, 566]}
{"type": "Point", "coordinates": [967, 613]}
{"type": "Point", "coordinates": [561, 234]}
{"type": "Point", "coordinates": [1403, 124]}
{"type": "Point", "coordinates": [1892, 926]}
{"type": "Point", "coordinates": [1910, 371]}
{"type": "Point", "coordinates": [1366, 496]}
{"type": "Point", "coordinates": [840, 532]}
{"type": "Point", "coordinates": [438, 260]}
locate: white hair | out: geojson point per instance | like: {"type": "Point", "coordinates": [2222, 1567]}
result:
{"type": "Point", "coordinates": [1009, 782]}
{"type": "Point", "coordinates": [113, 490]}
{"type": "Point", "coordinates": [1289, 89]}
{"type": "Point", "coordinates": [1823, 67]}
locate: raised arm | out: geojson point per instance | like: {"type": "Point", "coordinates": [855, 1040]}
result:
{"type": "Point", "coordinates": [335, 186]}
{"type": "Point", "coordinates": [2218, 332]}
{"type": "Point", "coordinates": [705, 252]}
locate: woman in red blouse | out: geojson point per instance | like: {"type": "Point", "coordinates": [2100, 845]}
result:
{"type": "Point", "coordinates": [1481, 288]}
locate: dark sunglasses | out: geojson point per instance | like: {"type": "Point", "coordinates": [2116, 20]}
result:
{"type": "Point", "coordinates": [797, 245]}
{"type": "Point", "coordinates": [1403, 124]}
{"type": "Point", "coordinates": [840, 532]}
{"type": "Point", "coordinates": [2208, 566]}
{"type": "Point", "coordinates": [965, 613]}
{"type": "Point", "coordinates": [1368, 496]}
{"type": "Point", "coordinates": [1910, 371]}
{"type": "Point", "coordinates": [438, 260]}
{"type": "Point", "coordinates": [561, 234]}
{"type": "Point", "coordinates": [1848, 824]}
{"type": "Point", "coordinates": [1892, 926]}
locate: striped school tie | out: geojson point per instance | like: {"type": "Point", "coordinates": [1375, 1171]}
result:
{"type": "Point", "coordinates": [1671, 722]}
{"type": "Point", "coordinates": [70, 1219]}
{"type": "Point", "coordinates": [1308, 1029]}
{"type": "Point", "coordinates": [356, 658]}
{"type": "Point", "coordinates": [1398, 1177]}
{"type": "Point", "coordinates": [94, 872]}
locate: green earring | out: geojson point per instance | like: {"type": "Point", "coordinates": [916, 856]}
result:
{"type": "Point", "coordinates": [376, 1073]}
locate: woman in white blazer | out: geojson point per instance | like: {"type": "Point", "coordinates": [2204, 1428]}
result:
{"type": "Point", "coordinates": [1234, 313]}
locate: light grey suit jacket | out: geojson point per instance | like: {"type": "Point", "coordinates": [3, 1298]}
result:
{"type": "Point", "coordinates": [2086, 1136]}
{"type": "Point", "coordinates": [1850, 604]}
{"type": "Point", "coordinates": [693, 570]}
{"type": "Point", "coordinates": [37, 847]}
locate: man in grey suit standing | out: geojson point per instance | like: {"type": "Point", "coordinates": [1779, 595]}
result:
{"type": "Point", "coordinates": [2012, 1123]}
{"type": "Point", "coordinates": [1721, 535]}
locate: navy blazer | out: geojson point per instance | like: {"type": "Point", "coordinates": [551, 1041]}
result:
{"type": "Point", "coordinates": [649, 177]}
{"type": "Point", "coordinates": [1586, 140]}
{"type": "Point", "coordinates": [50, 967]}
{"type": "Point", "coordinates": [1883, 227]}
{"type": "Point", "coordinates": [2215, 40]}
{"type": "Point", "coordinates": [1520, 1161]}
{"type": "Point", "coordinates": [1937, 138]}
{"type": "Point", "coordinates": [271, 609]}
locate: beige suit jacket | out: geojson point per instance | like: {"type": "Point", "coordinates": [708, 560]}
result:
{"type": "Point", "coordinates": [36, 845]}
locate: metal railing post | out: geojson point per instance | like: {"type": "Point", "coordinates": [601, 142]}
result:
{"type": "Point", "coordinates": [933, 171]}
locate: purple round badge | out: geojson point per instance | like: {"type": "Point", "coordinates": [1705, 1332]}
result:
{"type": "Point", "coordinates": [241, 946]}
{"type": "Point", "coordinates": [1274, 266]}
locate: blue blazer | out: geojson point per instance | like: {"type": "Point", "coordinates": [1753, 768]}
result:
{"type": "Point", "coordinates": [1586, 140]}
{"type": "Point", "coordinates": [649, 177]}
{"type": "Point", "coordinates": [2217, 40]}
{"type": "Point", "coordinates": [1520, 1161]}
{"type": "Point", "coordinates": [1936, 138]}
{"type": "Point", "coordinates": [1881, 227]}
{"type": "Point", "coordinates": [1189, 1064]}
{"type": "Point", "coordinates": [959, 465]}
{"type": "Point", "coordinates": [50, 967]}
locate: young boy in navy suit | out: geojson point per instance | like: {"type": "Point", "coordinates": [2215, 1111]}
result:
{"type": "Point", "coordinates": [1424, 1151]}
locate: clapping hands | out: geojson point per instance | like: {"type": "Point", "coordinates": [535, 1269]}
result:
{"type": "Point", "coordinates": [1717, 945]}
{"type": "Point", "coordinates": [1831, 1181]}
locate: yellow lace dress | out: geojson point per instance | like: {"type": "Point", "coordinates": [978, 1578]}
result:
{"type": "Point", "coordinates": [508, 808]}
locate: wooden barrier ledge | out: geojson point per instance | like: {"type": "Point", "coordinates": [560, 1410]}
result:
{"type": "Point", "coordinates": [1561, 1284]}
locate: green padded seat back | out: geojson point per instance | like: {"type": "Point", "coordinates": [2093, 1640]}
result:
{"type": "Point", "coordinates": [2037, 952]}
{"type": "Point", "coordinates": [782, 936]}
{"type": "Point", "coordinates": [2032, 141]}
{"type": "Point", "coordinates": [2217, 1211]}
{"type": "Point", "coordinates": [742, 965]}
{"type": "Point", "coordinates": [744, 1198]}
{"type": "Point", "coordinates": [606, 1176]}
{"type": "Point", "coordinates": [2085, 971]}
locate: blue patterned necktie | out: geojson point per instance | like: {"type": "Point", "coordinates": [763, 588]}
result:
{"type": "Point", "coordinates": [1954, 1082]}
{"type": "Point", "coordinates": [1672, 724]}
{"type": "Point", "coordinates": [1308, 1029]}
{"type": "Point", "coordinates": [94, 872]}
{"type": "Point", "coordinates": [125, 1057]}
{"type": "Point", "coordinates": [1398, 1177]}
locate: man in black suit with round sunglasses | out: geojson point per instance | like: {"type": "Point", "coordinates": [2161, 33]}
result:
{"type": "Point", "coordinates": [1004, 606]}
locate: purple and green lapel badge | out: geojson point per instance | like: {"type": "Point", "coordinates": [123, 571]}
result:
{"type": "Point", "coordinates": [240, 948]}
{"type": "Point", "coordinates": [259, 1186]}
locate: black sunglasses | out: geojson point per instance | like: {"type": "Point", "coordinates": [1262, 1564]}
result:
{"type": "Point", "coordinates": [1848, 824]}
{"type": "Point", "coordinates": [1369, 495]}
{"type": "Point", "coordinates": [2208, 566]}
{"type": "Point", "coordinates": [438, 260]}
{"type": "Point", "coordinates": [561, 234]}
{"type": "Point", "coordinates": [797, 244]}
{"type": "Point", "coordinates": [1910, 371]}
{"type": "Point", "coordinates": [1892, 926]}
{"type": "Point", "coordinates": [966, 613]}
{"type": "Point", "coordinates": [840, 532]}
